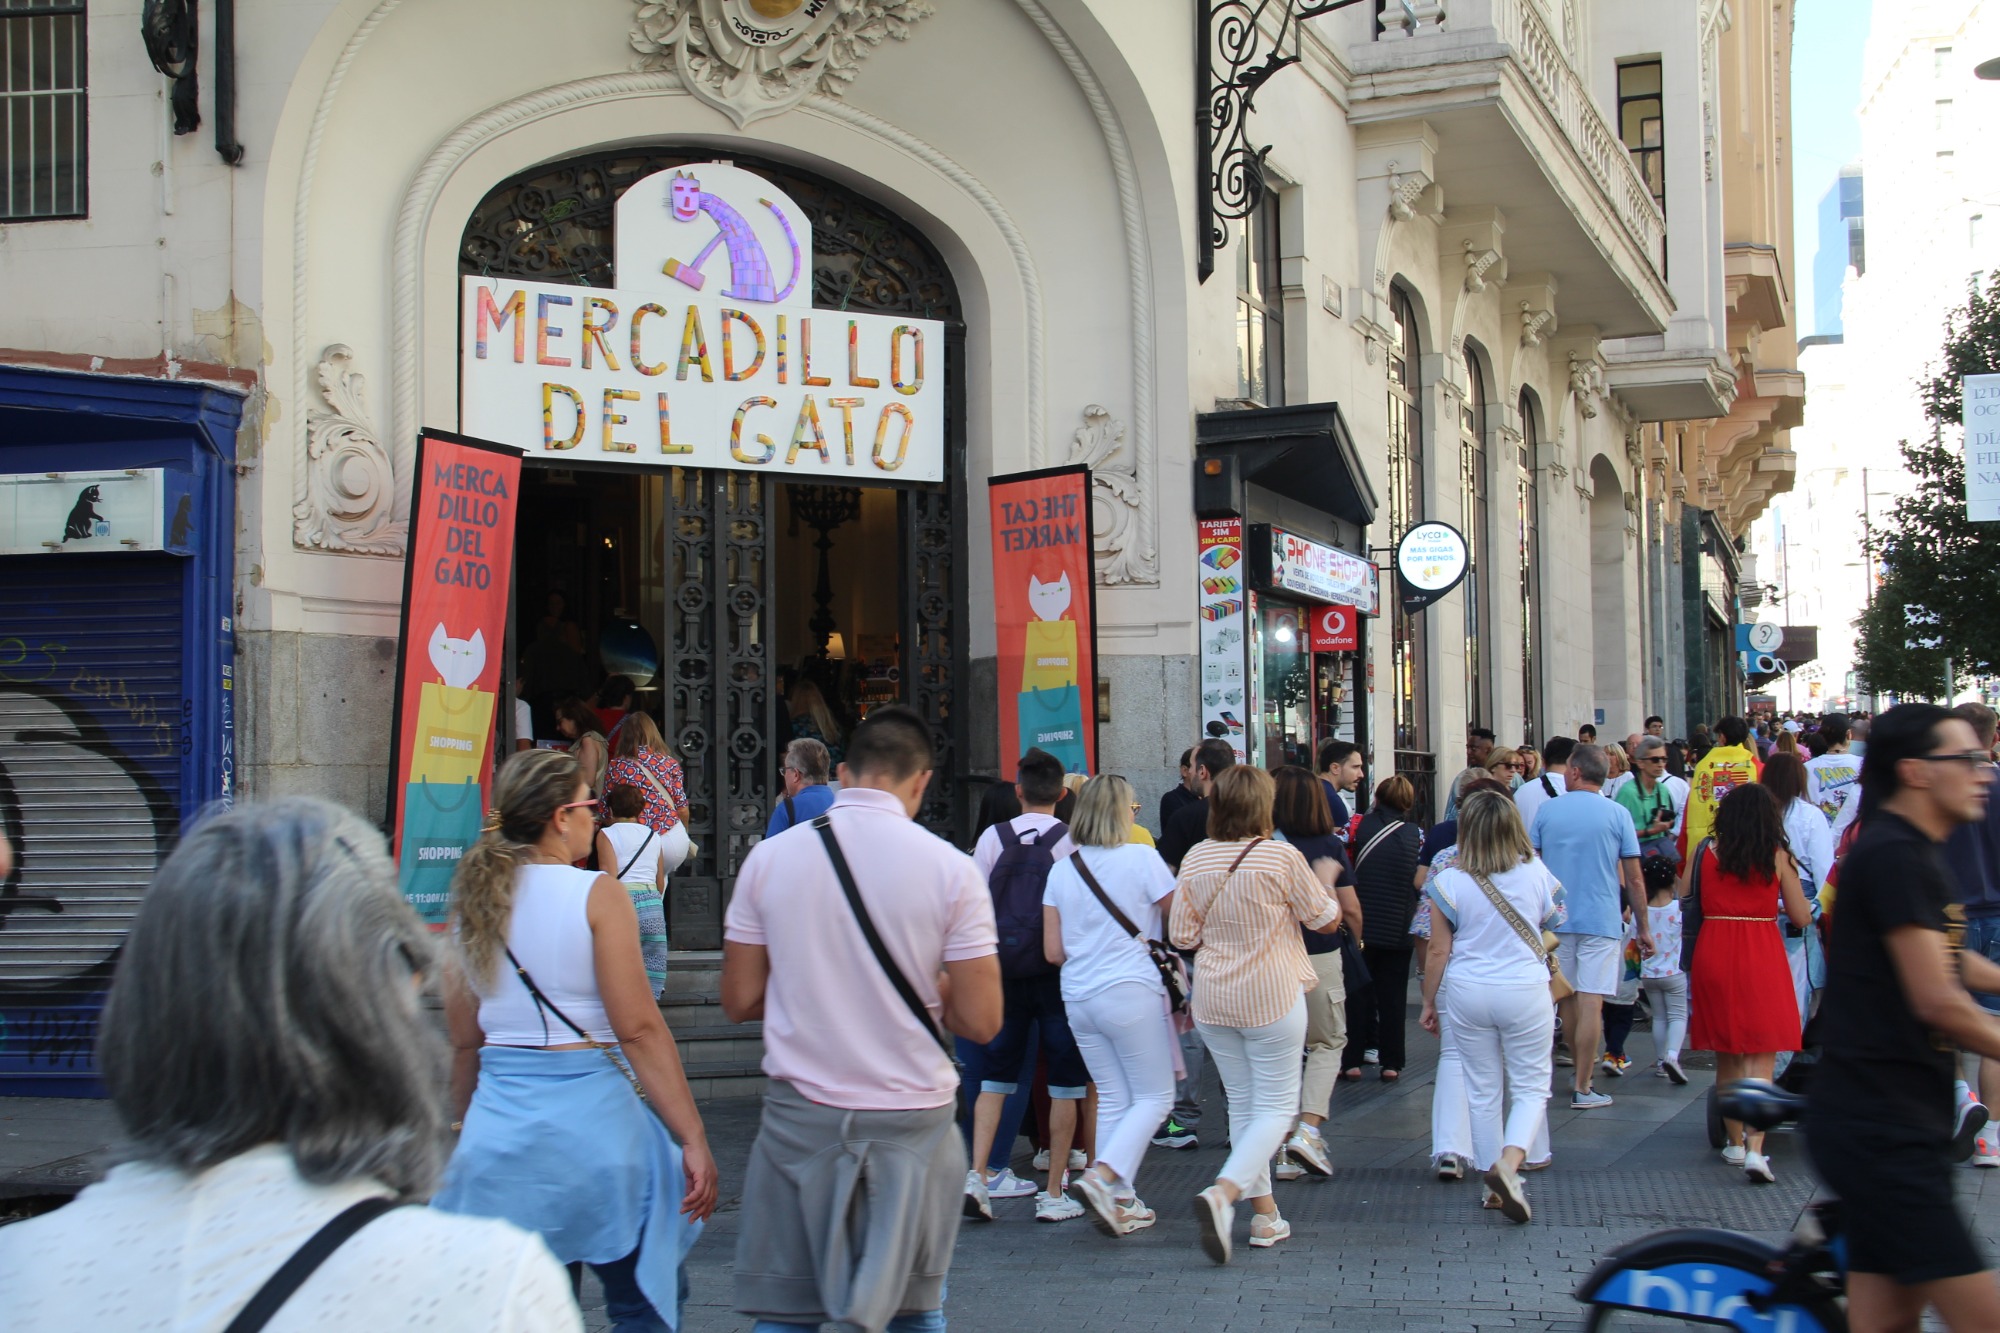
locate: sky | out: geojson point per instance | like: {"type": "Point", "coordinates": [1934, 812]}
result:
{"type": "Point", "coordinates": [1827, 42]}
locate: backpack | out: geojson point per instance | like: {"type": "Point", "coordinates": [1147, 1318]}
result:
{"type": "Point", "coordinates": [1017, 882]}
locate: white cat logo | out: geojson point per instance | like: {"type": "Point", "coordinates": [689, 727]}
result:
{"type": "Point", "coordinates": [1048, 600]}
{"type": "Point", "coordinates": [458, 661]}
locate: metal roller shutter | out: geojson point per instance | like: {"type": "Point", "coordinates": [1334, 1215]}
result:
{"type": "Point", "coordinates": [93, 731]}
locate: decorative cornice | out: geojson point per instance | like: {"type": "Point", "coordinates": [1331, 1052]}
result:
{"type": "Point", "coordinates": [349, 480]}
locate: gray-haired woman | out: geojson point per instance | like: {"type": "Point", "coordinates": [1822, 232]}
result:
{"type": "Point", "coordinates": [270, 1062]}
{"type": "Point", "coordinates": [550, 977]}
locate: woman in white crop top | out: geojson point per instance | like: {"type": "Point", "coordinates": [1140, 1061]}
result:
{"type": "Point", "coordinates": [549, 979]}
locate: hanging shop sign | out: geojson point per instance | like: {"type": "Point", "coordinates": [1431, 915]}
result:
{"type": "Point", "coordinates": [1982, 448]}
{"type": "Point", "coordinates": [73, 512]}
{"type": "Point", "coordinates": [448, 667]}
{"type": "Point", "coordinates": [708, 353]}
{"type": "Point", "coordinates": [1430, 562]}
{"type": "Point", "coordinates": [1335, 629]}
{"type": "Point", "coordinates": [1222, 599]}
{"type": "Point", "coordinates": [1288, 562]}
{"type": "Point", "coordinates": [1045, 610]}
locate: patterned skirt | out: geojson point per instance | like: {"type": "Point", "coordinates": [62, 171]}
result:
{"type": "Point", "coordinates": [652, 911]}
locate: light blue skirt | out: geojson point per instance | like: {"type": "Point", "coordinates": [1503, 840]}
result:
{"type": "Point", "coordinates": [557, 1143]}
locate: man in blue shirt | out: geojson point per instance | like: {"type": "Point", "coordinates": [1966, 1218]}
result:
{"type": "Point", "coordinates": [807, 796]}
{"type": "Point", "coordinates": [1589, 844]}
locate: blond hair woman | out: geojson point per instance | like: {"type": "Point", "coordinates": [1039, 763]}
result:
{"type": "Point", "coordinates": [549, 978]}
{"type": "Point", "coordinates": [644, 760]}
{"type": "Point", "coordinates": [1116, 999]}
{"type": "Point", "coordinates": [1240, 900]}
{"type": "Point", "coordinates": [1496, 986]}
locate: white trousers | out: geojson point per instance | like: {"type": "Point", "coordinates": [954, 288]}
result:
{"type": "Point", "coordinates": [1669, 997]}
{"type": "Point", "coordinates": [1127, 1044]}
{"type": "Point", "coordinates": [1451, 1112]}
{"type": "Point", "coordinates": [1504, 1036]}
{"type": "Point", "coordinates": [1260, 1070]}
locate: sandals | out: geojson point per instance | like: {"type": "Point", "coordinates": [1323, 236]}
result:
{"type": "Point", "coordinates": [1351, 1075]}
{"type": "Point", "coordinates": [1392, 1075]}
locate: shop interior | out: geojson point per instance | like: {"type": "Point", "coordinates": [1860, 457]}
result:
{"type": "Point", "coordinates": [1301, 694]}
{"type": "Point", "coordinates": [595, 574]}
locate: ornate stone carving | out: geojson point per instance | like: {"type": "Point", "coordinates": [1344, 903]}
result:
{"type": "Point", "coordinates": [1124, 552]}
{"type": "Point", "coordinates": [1535, 324]}
{"type": "Point", "coordinates": [755, 58]}
{"type": "Point", "coordinates": [1478, 263]}
{"type": "Point", "coordinates": [349, 495]}
{"type": "Point", "coordinates": [1585, 380]}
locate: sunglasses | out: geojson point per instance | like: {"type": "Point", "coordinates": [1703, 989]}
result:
{"type": "Point", "coordinates": [592, 804]}
{"type": "Point", "coordinates": [1970, 758]}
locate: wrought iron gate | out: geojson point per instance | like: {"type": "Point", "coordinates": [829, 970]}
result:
{"type": "Point", "coordinates": [555, 224]}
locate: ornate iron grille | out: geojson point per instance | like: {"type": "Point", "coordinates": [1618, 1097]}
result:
{"type": "Point", "coordinates": [555, 224]}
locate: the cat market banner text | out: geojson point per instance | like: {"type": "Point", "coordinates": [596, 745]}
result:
{"type": "Point", "coordinates": [1045, 607]}
{"type": "Point", "coordinates": [448, 668]}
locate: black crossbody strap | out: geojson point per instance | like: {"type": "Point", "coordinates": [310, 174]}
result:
{"type": "Point", "coordinates": [1090, 882]}
{"type": "Point", "coordinates": [544, 1002]}
{"type": "Point", "coordinates": [305, 1261]}
{"type": "Point", "coordinates": [867, 923]}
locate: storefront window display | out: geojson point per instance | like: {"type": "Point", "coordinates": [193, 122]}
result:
{"type": "Point", "coordinates": [1284, 670]}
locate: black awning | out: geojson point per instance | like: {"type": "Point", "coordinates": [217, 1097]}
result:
{"type": "Point", "coordinates": [1303, 453]}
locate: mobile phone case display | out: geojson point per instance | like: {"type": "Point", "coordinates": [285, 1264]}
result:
{"type": "Point", "coordinates": [1222, 599]}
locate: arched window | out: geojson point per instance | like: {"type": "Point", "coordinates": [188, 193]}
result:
{"type": "Point", "coordinates": [1410, 693]}
{"type": "Point", "coordinates": [1528, 512]}
{"type": "Point", "coordinates": [1472, 512]}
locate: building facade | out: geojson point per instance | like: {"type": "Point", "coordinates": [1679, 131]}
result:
{"type": "Point", "coordinates": [1512, 266]}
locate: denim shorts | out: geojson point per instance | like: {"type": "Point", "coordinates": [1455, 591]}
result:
{"type": "Point", "coordinates": [1982, 936]}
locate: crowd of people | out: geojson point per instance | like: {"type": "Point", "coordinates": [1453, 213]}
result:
{"type": "Point", "coordinates": [267, 1052]}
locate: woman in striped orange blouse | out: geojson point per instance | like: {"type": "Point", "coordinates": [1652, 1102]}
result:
{"type": "Point", "coordinates": [1240, 900]}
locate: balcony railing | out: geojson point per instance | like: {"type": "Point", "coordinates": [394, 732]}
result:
{"type": "Point", "coordinates": [1461, 30]}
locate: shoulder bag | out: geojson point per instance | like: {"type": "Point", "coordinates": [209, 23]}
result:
{"type": "Point", "coordinates": [305, 1261]}
{"type": "Point", "coordinates": [1691, 906]}
{"type": "Point", "coordinates": [1542, 942]}
{"type": "Point", "coordinates": [889, 966]}
{"type": "Point", "coordinates": [1375, 842]}
{"type": "Point", "coordinates": [660, 790]}
{"type": "Point", "coordinates": [1173, 972]}
{"type": "Point", "coordinates": [544, 1003]}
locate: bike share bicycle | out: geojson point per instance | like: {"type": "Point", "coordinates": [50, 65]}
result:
{"type": "Point", "coordinates": [1704, 1277]}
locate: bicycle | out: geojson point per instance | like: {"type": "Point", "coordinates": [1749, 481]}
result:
{"type": "Point", "coordinates": [1705, 1277]}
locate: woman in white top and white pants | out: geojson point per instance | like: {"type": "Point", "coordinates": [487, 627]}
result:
{"type": "Point", "coordinates": [1500, 1010]}
{"type": "Point", "coordinates": [1116, 1000]}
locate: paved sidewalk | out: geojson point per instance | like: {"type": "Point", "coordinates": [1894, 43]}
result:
{"type": "Point", "coordinates": [1381, 1245]}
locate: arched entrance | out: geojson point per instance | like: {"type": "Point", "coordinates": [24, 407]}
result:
{"type": "Point", "coordinates": [746, 584]}
{"type": "Point", "coordinates": [1610, 607]}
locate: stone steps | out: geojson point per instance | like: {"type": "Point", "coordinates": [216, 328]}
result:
{"type": "Point", "coordinates": [722, 1059]}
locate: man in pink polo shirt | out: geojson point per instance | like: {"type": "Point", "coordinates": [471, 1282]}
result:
{"type": "Point", "coordinates": [851, 1199]}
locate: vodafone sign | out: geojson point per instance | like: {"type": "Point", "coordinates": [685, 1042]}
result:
{"type": "Point", "coordinates": [1335, 630]}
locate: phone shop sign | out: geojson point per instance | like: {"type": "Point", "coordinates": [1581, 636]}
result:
{"type": "Point", "coordinates": [1323, 573]}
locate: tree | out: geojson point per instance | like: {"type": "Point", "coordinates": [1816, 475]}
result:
{"type": "Point", "coordinates": [1940, 571]}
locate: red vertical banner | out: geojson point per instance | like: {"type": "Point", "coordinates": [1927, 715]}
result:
{"type": "Point", "coordinates": [449, 656]}
{"type": "Point", "coordinates": [1045, 609]}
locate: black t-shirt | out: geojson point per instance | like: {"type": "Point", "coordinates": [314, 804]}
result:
{"type": "Point", "coordinates": [1442, 835]}
{"type": "Point", "coordinates": [1880, 1064]}
{"type": "Point", "coordinates": [1330, 846]}
{"type": "Point", "coordinates": [1188, 826]}
{"type": "Point", "coordinates": [1172, 802]}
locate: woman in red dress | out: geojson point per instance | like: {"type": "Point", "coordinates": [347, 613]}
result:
{"type": "Point", "coordinates": [1740, 986]}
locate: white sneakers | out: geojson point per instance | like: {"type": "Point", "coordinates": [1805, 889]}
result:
{"type": "Point", "coordinates": [1054, 1207]}
{"type": "Point", "coordinates": [1735, 1154]}
{"type": "Point", "coordinates": [1504, 1187]}
{"type": "Point", "coordinates": [1986, 1151]}
{"type": "Point", "coordinates": [1004, 1184]}
{"type": "Point", "coordinates": [1216, 1217]}
{"type": "Point", "coordinates": [1308, 1149]}
{"type": "Point", "coordinates": [1284, 1168]}
{"type": "Point", "coordinates": [978, 1203]}
{"type": "Point", "coordinates": [1758, 1167]}
{"type": "Point", "coordinates": [1110, 1214]}
{"type": "Point", "coordinates": [1450, 1166]}
{"type": "Point", "coordinates": [1267, 1230]}
{"type": "Point", "coordinates": [1077, 1161]}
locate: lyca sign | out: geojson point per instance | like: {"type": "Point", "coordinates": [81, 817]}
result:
{"type": "Point", "coordinates": [707, 354]}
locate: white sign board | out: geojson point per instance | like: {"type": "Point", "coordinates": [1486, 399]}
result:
{"type": "Point", "coordinates": [708, 353]}
{"type": "Point", "coordinates": [1982, 448]}
{"type": "Point", "coordinates": [42, 512]}
{"type": "Point", "coordinates": [1431, 559]}
{"type": "Point", "coordinates": [1766, 636]}
{"type": "Point", "coordinates": [1323, 573]}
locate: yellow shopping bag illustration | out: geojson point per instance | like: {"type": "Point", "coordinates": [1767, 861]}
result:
{"type": "Point", "coordinates": [452, 727]}
{"type": "Point", "coordinates": [1049, 658]}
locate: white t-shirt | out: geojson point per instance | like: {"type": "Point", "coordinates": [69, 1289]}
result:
{"type": "Point", "coordinates": [524, 721]}
{"type": "Point", "coordinates": [1484, 948]}
{"type": "Point", "coordinates": [1531, 796]}
{"type": "Point", "coordinates": [628, 841]}
{"type": "Point", "coordinates": [1100, 953]}
{"type": "Point", "coordinates": [152, 1250]}
{"type": "Point", "coordinates": [1833, 783]}
{"type": "Point", "coordinates": [987, 850]}
{"type": "Point", "coordinates": [1812, 843]}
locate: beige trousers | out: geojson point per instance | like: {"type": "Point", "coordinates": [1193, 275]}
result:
{"type": "Point", "coordinates": [1326, 1035]}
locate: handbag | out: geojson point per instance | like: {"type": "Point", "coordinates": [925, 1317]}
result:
{"type": "Point", "coordinates": [543, 1002]}
{"type": "Point", "coordinates": [660, 790]}
{"type": "Point", "coordinates": [1691, 907]}
{"type": "Point", "coordinates": [1173, 972]}
{"type": "Point", "coordinates": [1542, 942]}
{"type": "Point", "coordinates": [918, 1009]}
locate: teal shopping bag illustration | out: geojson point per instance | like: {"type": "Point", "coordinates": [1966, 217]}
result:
{"type": "Point", "coordinates": [1052, 720]}
{"type": "Point", "coordinates": [440, 820]}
